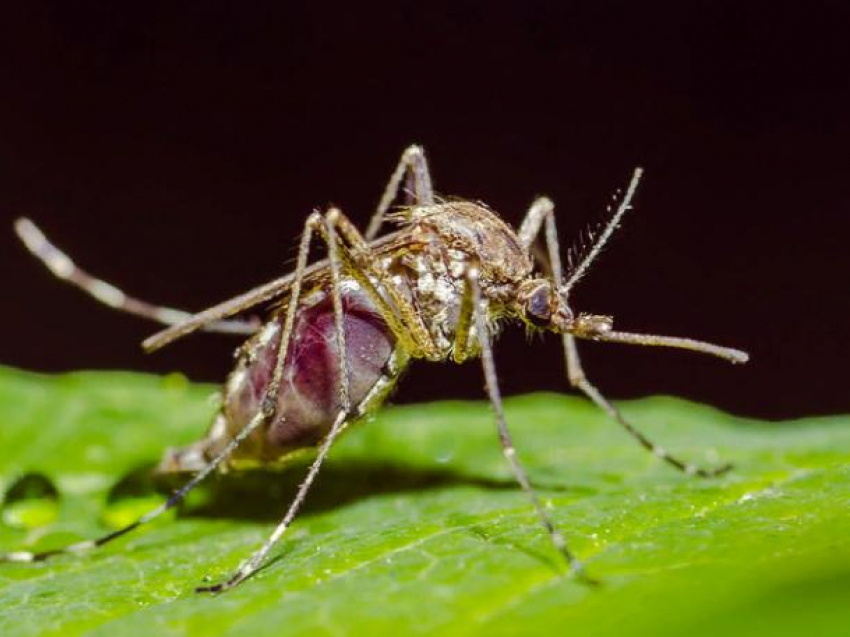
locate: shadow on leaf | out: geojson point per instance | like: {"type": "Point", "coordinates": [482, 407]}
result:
{"type": "Point", "coordinates": [262, 494]}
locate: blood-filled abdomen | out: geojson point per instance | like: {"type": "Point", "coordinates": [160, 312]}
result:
{"type": "Point", "coordinates": [309, 397]}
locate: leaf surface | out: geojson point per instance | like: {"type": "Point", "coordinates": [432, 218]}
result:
{"type": "Point", "coordinates": [416, 526]}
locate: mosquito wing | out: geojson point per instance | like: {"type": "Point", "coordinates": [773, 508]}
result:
{"type": "Point", "coordinates": [276, 289]}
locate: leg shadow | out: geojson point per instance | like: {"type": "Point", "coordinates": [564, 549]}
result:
{"type": "Point", "coordinates": [262, 494]}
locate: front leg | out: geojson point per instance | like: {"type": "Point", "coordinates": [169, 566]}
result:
{"type": "Point", "coordinates": [579, 380]}
{"type": "Point", "coordinates": [540, 215]}
{"type": "Point", "coordinates": [491, 382]}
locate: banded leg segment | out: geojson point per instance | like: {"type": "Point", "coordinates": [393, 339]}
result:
{"type": "Point", "coordinates": [492, 385]}
{"type": "Point", "coordinates": [61, 265]}
{"type": "Point", "coordinates": [542, 214]}
{"type": "Point", "coordinates": [412, 170]}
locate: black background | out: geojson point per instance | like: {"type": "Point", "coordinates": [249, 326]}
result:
{"type": "Point", "coordinates": [176, 148]}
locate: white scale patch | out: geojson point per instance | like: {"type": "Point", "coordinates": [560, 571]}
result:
{"type": "Point", "coordinates": [106, 293]}
{"type": "Point", "coordinates": [439, 290]}
{"type": "Point", "coordinates": [268, 332]}
{"type": "Point", "coordinates": [61, 265]}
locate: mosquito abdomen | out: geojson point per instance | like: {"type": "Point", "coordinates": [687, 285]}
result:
{"type": "Point", "coordinates": [309, 398]}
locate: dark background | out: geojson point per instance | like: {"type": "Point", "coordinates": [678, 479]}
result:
{"type": "Point", "coordinates": [176, 148]}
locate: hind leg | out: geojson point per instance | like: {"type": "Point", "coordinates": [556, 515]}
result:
{"type": "Point", "coordinates": [263, 415]}
{"type": "Point", "coordinates": [61, 265]}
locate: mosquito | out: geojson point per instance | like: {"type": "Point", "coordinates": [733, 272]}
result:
{"type": "Point", "coordinates": [340, 332]}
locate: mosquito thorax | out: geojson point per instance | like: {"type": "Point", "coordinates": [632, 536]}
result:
{"type": "Point", "coordinates": [469, 232]}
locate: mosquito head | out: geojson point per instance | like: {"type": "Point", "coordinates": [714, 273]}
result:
{"type": "Point", "coordinates": [541, 306]}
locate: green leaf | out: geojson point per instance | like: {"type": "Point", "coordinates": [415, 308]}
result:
{"type": "Point", "coordinates": [416, 526]}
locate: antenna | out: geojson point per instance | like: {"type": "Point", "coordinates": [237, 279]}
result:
{"type": "Point", "coordinates": [612, 225]}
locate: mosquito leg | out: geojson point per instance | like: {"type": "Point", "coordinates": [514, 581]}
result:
{"type": "Point", "coordinates": [266, 412]}
{"type": "Point", "coordinates": [461, 348]}
{"type": "Point", "coordinates": [413, 169]}
{"type": "Point", "coordinates": [579, 380]}
{"type": "Point", "coordinates": [492, 386]}
{"type": "Point", "coordinates": [250, 566]}
{"type": "Point", "coordinates": [401, 316]}
{"type": "Point", "coordinates": [543, 212]}
{"type": "Point", "coordinates": [255, 561]}
{"type": "Point", "coordinates": [61, 265]}
{"type": "Point", "coordinates": [412, 162]}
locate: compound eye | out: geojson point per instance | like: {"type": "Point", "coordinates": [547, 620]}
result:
{"type": "Point", "coordinates": [539, 307]}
